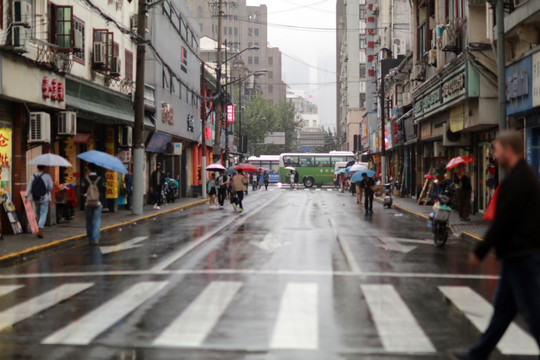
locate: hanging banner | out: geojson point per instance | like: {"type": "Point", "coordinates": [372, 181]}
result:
{"type": "Point", "coordinates": [112, 177]}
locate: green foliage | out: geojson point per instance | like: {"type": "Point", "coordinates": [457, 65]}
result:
{"type": "Point", "coordinates": [261, 117]}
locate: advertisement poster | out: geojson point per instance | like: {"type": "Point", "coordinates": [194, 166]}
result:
{"type": "Point", "coordinates": [112, 177]}
{"type": "Point", "coordinates": [5, 159]}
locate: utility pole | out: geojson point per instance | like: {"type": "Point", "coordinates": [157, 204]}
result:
{"type": "Point", "coordinates": [501, 62]}
{"type": "Point", "coordinates": [383, 135]}
{"type": "Point", "coordinates": [203, 131]}
{"type": "Point", "coordinates": [217, 142]}
{"type": "Point", "coordinates": [138, 141]}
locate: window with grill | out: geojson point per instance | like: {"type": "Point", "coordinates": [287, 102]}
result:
{"type": "Point", "coordinates": [106, 37]}
{"type": "Point", "coordinates": [79, 51]}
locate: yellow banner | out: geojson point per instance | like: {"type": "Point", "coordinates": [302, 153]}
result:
{"type": "Point", "coordinates": [5, 159]}
{"type": "Point", "coordinates": [457, 118]}
{"type": "Point", "coordinates": [112, 177]}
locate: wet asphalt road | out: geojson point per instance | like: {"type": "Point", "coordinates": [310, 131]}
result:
{"type": "Point", "coordinates": [299, 275]}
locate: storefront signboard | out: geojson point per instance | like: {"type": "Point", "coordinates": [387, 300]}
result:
{"type": "Point", "coordinates": [5, 159]}
{"type": "Point", "coordinates": [111, 176]}
{"type": "Point", "coordinates": [518, 83]}
{"type": "Point", "coordinates": [536, 80]}
{"type": "Point", "coordinates": [457, 118]}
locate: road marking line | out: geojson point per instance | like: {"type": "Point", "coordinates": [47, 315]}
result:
{"type": "Point", "coordinates": [126, 245]}
{"type": "Point", "coordinates": [87, 328]}
{"type": "Point", "coordinates": [6, 289]}
{"type": "Point", "coordinates": [39, 303]}
{"type": "Point", "coordinates": [514, 342]}
{"type": "Point", "coordinates": [398, 329]}
{"type": "Point", "coordinates": [297, 323]}
{"type": "Point", "coordinates": [344, 244]}
{"type": "Point", "coordinates": [392, 244]}
{"type": "Point", "coordinates": [162, 265]}
{"type": "Point", "coordinates": [191, 328]}
{"type": "Point", "coordinates": [252, 272]}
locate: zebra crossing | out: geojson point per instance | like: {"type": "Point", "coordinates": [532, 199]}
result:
{"type": "Point", "coordinates": [296, 324]}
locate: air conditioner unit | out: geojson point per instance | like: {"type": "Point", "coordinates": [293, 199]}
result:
{"type": "Point", "coordinates": [22, 12]}
{"type": "Point", "coordinates": [134, 22]}
{"type": "Point", "coordinates": [40, 127]}
{"type": "Point", "coordinates": [20, 36]}
{"type": "Point", "coordinates": [126, 136]}
{"type": "Point", "coordinates": [432, 57]}
{"type": "Point", "coordinates": [449, 40]}
{"type": "Point", "coordinates": [100, 53]}
{"type": "Point", "coordinates": [455, 138]}
{"type": "Point", "coordinates": [78, 41]}
{"type": "Point", "coordinates": [67, 123]}
{"type": "Point", "coordinates": [417, 72]}
{"type": "Point", "coordinates": [116, 66]}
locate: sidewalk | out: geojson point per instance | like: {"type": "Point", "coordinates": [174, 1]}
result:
{"type": "Point", "coordinates": [15, 247]}
{"type": "Point", "coordinates": [475, 229]}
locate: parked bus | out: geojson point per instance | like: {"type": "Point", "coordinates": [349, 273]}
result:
{"type": "Point", "coordinates": [269, 162]}
{"type": "Point", "coordinates": [313, 169]}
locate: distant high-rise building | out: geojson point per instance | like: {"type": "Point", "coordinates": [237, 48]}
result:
{"type": "Point", "coordinates": [244, 27]}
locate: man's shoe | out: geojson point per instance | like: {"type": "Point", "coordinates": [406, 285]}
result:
{"type": "Point", "coordinates": [157, 207]}
{"type": "Point", "coordinates": [459, 355]}
{"type": "Point", "coordinates": [40, 233]}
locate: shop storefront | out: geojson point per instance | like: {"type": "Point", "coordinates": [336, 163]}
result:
{"type": "Point", "coordinates": [27, 115]}
{"type": "Point", "coordinates": [523, 103]}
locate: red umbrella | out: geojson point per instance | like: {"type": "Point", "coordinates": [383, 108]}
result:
{"type": "Point", "coordinates": [458, 161]}
{"type": "Point", "coordinates": [245, 167]}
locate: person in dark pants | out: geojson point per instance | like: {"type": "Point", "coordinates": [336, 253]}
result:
{"type": "Point", "coordinates": [515, 236]}
{"type": "Point", "coordinates": [266, 179]}
{"type": "Point", "coordinates": [156, 185]}
{"type": "Point", "coordinates": [367, 186]}
{"type": "Point", "coordinates": [464, 191]}
{"type": "Point", "coordinates": [239, 187]}
{"type": "Point", "coordinates": [223, 181]}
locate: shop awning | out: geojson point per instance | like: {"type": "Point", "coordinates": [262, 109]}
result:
{"type": "Point", "coordinates": [158, 142]}
{"type": "Point", "coordinates": [98, 102]}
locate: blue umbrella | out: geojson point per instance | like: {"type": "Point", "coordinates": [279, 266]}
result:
{"type": "Point", "coordinates": [358, 176]}
{"type": "Point", "coordinates": [104, 160]}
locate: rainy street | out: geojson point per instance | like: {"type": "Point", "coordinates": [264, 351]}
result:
{"type": "Point", "coordinates": [299, 275]}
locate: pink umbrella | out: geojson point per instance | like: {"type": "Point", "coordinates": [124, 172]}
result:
{"type": "Point", "coordinates": [458, 161]}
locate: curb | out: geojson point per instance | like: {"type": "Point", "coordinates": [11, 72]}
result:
{"type": "Point", "coordinates": [467, 235]}
{"type": "Point", "coordinates": [15, 256]}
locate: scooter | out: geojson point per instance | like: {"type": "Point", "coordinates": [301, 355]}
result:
{"type": "Point", "coordinates": [387, 196]}
{"type": "Point", "coordinates": [438, 220]}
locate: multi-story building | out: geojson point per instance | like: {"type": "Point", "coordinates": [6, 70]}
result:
{"type": "Point", "coordinates": [523, 75]}
{"type": "Point", "coordinates": [67, 77]}
{"type": "Point", "coordinates": [454, 89]}
{"type": "Point", "coordinates": [310, 134]}
{"type": "Point", "coordinates": [244, 27]}
{"type": "Point", "coordinates": [173, 72]}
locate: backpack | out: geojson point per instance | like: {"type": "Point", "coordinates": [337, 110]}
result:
{"type": "Point", "coordinates": [92, 193]}
{"type": "Point", "coordinates": [39, 189]}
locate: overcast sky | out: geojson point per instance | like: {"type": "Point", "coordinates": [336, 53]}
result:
{"type": "Point", "coordinates": [308, 55]}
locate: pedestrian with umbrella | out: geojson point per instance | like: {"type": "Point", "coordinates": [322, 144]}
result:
{"type": "Point", "coordinates": [463, 185]}
{"type": "Point", "coordinates": [40, 186]}
{"type": "Point", "coordinates": [94, 186]}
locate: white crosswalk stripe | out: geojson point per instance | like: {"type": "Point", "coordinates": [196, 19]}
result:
{"type": "Point", "coordinates": [84, 330]}
{"type": "Point", "coordinates": [514, 342]}
{"type": "Point", "coordinates": [37, 304]}
{"type": "Point", "coordinates": [194, 324]}
{"type": "Point", "coordinates": [398, 329]}
{"type": "Point", "coordinates": [6, 289]}
{"type": "Point", "coordinates": [297, 322]}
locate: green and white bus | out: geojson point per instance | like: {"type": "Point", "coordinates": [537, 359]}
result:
{"type": "Point", "coordinates": [313, 169]}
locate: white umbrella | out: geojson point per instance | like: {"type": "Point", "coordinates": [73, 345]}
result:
{"type": "Point", "coordinates": [49, 160]}
{"type": "Point", "coordinates": [215, 166]}
{"type": "Point", "coordinates": [290, 168]}
{"type": "Point", "coordinates": [357, 167]}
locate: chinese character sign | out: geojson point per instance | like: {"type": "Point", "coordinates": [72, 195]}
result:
{"type": "Point", "coordinates": [5, 158]}
{"type": "Point", "coordinates": [230, 113]}
{"type": "Point", "coordinates": [112, 177]}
